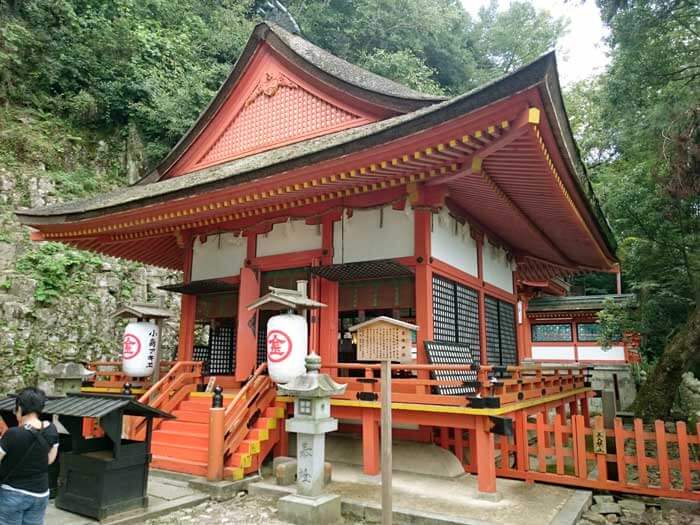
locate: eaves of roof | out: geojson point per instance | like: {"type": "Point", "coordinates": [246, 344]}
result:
{"type": "Point", "coordinates": [540, 73]}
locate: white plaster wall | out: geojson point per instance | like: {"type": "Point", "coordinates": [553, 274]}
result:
{"type": "Point", "coordinates": [288, 237]}
{"type": "Point", "coordinates": [221, 255]}
{"type": "Point", "coordinates": [596, 353]}
{"type": "Point", "coordinates": [498, 271]}
{"type": "Point", "coordinates": [553, 353]}
{"type": "Point", "coordinates": [452, 243]}
{"type": "Point", "coordinates": [360, 237]}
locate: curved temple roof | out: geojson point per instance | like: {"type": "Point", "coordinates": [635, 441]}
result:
{"type": "Point", "coordinates": [320, 64]}
{"type": "Point", "coordinates": [548, 147]}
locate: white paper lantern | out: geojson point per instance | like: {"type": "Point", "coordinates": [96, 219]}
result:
{"type": "Point", "coordinates": [287, 344]}
{"type": "Point", "coordinates": [139, 349]}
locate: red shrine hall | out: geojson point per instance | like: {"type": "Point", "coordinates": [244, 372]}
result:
{"type": "Point", "coordinates": [452, 214]}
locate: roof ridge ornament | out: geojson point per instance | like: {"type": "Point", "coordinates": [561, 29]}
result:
{"type": "Point", "coordinates": [269, 86]}
{"type": "Point", "coordinates": [274, 11]}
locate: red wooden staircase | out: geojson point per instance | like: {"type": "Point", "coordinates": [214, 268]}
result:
{"type": "Point", "coordinates": [253, 423]}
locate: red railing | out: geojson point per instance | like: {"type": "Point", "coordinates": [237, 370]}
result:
{"type": "Point", "coordinates": [661, 460]}
{"type": "Point", "coordinates": [243, 410]}
{"type": "Point", "coordinates": [509, 384]}
{"type": "Point", "coordinates": [108, 374]}
{"type": "Point", "coordinates": [168, 392]}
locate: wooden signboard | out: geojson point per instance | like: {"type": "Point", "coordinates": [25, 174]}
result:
{"type": "Point", "coordinates": [385, 339]}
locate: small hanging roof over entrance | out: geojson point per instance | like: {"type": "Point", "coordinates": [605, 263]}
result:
{"type": "Point", "coordinates": [296, 132]}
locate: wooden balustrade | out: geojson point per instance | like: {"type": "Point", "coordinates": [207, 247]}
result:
{"type": "Point", "coordinates": [661, 460]}
{"type": "Point", "coordinates": [508, 384]}
{"type": "Point", "coordinates": [168, 392]}
{"type": "Point", "coordinates": [257, 394]}
{"type": "Point", "coordinates": [109, 375]}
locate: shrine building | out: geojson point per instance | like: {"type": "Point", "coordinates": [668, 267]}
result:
{"type": "Point", "coordinates": [453, 214]}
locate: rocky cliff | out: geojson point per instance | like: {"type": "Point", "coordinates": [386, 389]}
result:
{"type": "Point", "coordinates": [56, 303]}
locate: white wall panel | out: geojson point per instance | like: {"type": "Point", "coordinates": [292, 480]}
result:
{"type": "Point", "coordinates": [452, 243]}
{"type": "Point", "coordinates": [370, 235]}
{"type": "Point", "coordinates": [498, 270]}
{"type": "Point", "coordinates": [553, 353]}
{"type": "Point", "coordinates": [221, 255]}
{"type": "Point", "coordinates": [596, 353]}
{"type": "Point", "coordinates": [288, 237]}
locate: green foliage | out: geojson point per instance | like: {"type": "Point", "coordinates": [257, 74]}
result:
{"type": "Point", "coordinates": [402, 66]}
{"type": "Point", "coordinates": [434, 40]}
{"type": "Point", "coordinates": [106, 63]}
{"type": "Point", "coordinates": [156, 64]}
{"type": "Point", "coordinates": [58, 270]}
{"type": "Point", "coordinates": [84, 181]}
{"type": "Point", "coordinates": [615, 320]}
{"type": "Point", "coordinates": [506, 40]}
{"type": "Point", "coordinates": [638, 128]}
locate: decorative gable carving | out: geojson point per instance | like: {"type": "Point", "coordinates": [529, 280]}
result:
{"type": "Point", "coordinates": [277, 111]}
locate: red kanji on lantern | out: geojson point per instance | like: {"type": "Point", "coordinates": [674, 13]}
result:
{"type": "Point", "coordinates": [279, 346]}
{"type": "Point", "coordinates": [132, 346]}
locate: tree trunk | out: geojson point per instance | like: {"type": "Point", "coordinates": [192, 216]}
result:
{"type": "Point", "coordinates": [656, 396]}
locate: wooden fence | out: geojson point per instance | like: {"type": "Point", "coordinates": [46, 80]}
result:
{"type": "Point", "coordinates": [659, 460]}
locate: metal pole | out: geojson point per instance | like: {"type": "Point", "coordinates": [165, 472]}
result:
{"type": "Point", "coordinates": [386, 442]}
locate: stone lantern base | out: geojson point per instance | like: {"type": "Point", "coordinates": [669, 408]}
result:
{"type": "Point", "coordinates": [304, 510]}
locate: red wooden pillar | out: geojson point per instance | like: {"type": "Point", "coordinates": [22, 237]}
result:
{"type": "Point", "coordinates": [328, 340]}
{"type": "Point", "coordinates": [188, 305]}
{"type": "Point", "coordinates": [479, 238]}
{"type": "Point", "coordinates": [521, 441]}
{"type": "Point", "coordinates": [472, 450]}
{"type": "Point", "coordinates": [424, 285]}
{"type": "Point", "coordinates": [247, 329]}
{"type": "Point", "coordinates": [524, 343]}
{"type": "Point", "coordinates": [328, 344]}
{"type": "Point", "coordinates": [485, 457]}
{"type": "Point", "coordinates": [573, 409]}
{"type": "Point", "coordinates": [585, 412]}
{"type": "Point", "coordinates": [314, 316]}
{"type": "Point", "coordinates": [370, 442]}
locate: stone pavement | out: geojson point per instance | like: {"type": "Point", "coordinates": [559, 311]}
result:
{"type": "Point", "coordinates": [419, 498]}
{"type": "Point", "coordinates": [164, 496]}
{"type": "Point", "coordinates": [639, 511]}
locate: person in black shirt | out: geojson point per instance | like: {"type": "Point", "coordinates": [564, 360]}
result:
{"type": "Point", "coordinates": [26, 451]}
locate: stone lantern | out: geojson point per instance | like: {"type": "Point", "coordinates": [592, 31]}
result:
{"type": "Point", "coordinates": [312, 419]}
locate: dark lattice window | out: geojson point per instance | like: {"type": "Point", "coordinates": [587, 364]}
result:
{"type": "Point", "coordinates": [222, 350]}
{"type": "Point", "coordinates": [501, 342]}
{"type": "Point", "coordinates": [451, 354]}
{"type": "Point", "coordinates": [455, 314]}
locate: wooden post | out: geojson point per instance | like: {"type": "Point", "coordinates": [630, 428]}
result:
{"type": "Point", "coordinates": [247, 327]}
{"type": "Point", "coordinates": [386, 442]}
{"type": "Point", "coordinates": [370, 443]}
{"type": "Point", "coordinates": [485, 457]}
{"type": "Point", "coordinates": [424, 288]}
{"type": "Point", "coordinates": [188, 305]}
{"type": "Point", "coordinates": [215, 465]}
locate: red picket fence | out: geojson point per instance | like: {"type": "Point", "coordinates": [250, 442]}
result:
{"type": "Point", "coordinates": [626, 458]}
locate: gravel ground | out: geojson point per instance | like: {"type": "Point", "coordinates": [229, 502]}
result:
{"type": "Point", "coordinates": [249, 510]}
{"type": "Point", "coordinates": [242, 510]}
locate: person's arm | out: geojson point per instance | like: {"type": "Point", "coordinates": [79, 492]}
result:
{"type": "Point", "coordinates": [51, 434]}
{"type": "Point", "coordinates": [53, 453]}
{"type": "Point", "coordinates": [3, 445]}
